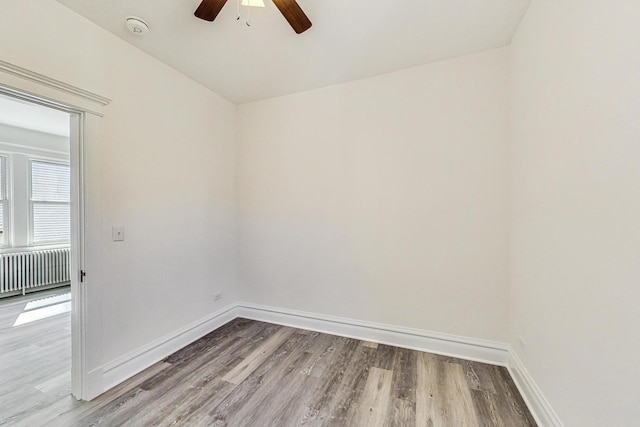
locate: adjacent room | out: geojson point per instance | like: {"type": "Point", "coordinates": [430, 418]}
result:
{"type": "Point", "coordinates": [35, 298]}
{"type": "Point", "coordinates": [302, 212]}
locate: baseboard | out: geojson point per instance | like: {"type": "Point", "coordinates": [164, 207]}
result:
{"type": "Point", "coordinates": [538, 405]}
{"type": "Point", "coordinates": [124, 367]}
{"type": "Point", "coordinates": [492, 352]}
{"type": "Point", "coordinates": [93, 386]}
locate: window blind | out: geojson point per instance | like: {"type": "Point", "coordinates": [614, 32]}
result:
{"type": "Point", "coordinates": [50, 198]}
{"type": "Point", "coordinates": [2, 182]}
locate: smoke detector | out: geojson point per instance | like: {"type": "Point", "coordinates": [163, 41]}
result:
{"type": "Point", "coordinates": [137, 26]}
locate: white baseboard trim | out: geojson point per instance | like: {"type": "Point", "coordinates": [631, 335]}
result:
{"type": "Point", "coordinates": [540, 408]}
{"type": "Point", "coordinates": [492, 352]}
{"type": "Point", "coordinates": [124, 367]}
{"type": "Point", "coordinates": [93, 387]}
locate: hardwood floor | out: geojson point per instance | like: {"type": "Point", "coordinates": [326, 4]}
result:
{"type": "Point", "coordinates": [250, 373]}
{"type": "Point", "coordinates": [35, 352]}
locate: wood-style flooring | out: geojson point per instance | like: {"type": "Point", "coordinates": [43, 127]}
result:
{"type": "Point", "coordinates": [35, 352]}
{"type": "Point", "coordinates": [250, 373]}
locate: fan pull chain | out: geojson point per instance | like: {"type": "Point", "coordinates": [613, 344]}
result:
{"type": "Point", "coordinates": [248, 17]}
{"type": "Point", "coordinates": [237, 10]}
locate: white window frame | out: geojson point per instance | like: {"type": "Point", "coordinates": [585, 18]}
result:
{"type": "Point", "coordinates": [19, 240]}
{"type": "Point", "coordinates": [4, 201]}
{"type": "Point", "coordinates": [32, 243]}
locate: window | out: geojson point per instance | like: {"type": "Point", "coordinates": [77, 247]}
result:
{"type": "Point", "coordinates": [34, 199]}
{"type": "Point", "coordinates": [50, 203]}
{"type": "Point", "coordinates": [3, 200]}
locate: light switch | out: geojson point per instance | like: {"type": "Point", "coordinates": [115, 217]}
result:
{"type": "Point", "coordinates": [117, 233]}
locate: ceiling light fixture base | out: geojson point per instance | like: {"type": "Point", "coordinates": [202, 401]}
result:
{"type": "Point", "coordinates": [137, 26]}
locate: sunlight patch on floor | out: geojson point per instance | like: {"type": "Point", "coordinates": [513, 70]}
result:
{"type": "Point", "coordinates": [43, 302]}
{"type": "Point", "coordinates": [42, 313]}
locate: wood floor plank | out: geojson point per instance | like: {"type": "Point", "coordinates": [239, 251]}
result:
{"type": "Point", "coordinates": [266, 410]}
{"type": "Point", "coordinates": [373, 405]}
{"type": "Point", "coordinates": [182, 382]}
{"type": "Point", "coordinates": [248, 365]}
{"type": "Point", "coordinates": [197, 394]}
{"type": "Point", "coordinates": [510, 402]}
{"type": "Point", "coordinates": [261, 335]}
{"type": "Point", "coordinates": [351, 387]}
{"type": "Point", "coordinates": [319, 409]}
{"type": "Point", "coordinates": [457, 390]}
{"type": "Point", "coordinates": [322, 350]}
{"type": "Point", "coordinates": [478, 377]}
{"type": "Point", "coordinates": [68, 411]}
{"type": "Point", "coordinates": [126, 403]}
{"type": "Point", "coordinates": [428, 406]}
{"type": "Point", "coordinates": [55, 382]}
{"type": "Point", "coordinates": [487, 409]}
{"type": "Point", "coordinates": [443, 397]}
{"type": "Point", "coordinates": [244, 400]}
{"type": "Point", "coordinates": [289, 413]}
{"type": "Point", "coordinates": [384, 355]}
{"type": "Point", "coordinates": [402, 408]}
{"type": "Point", "coordinates": [35, 357]}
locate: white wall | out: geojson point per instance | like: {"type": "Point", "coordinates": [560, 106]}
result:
{"type": "Point", "coordinates": [33, 139]}
{"type": "Point", "coordinates": [575, 109]}
{"type": "Point", "coordinates": [382, 199]}
{"type": "Point", "coordinates": [166, 167]}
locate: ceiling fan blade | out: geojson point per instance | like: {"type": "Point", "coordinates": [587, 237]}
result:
{"type": "Point", "coordinates": [294, 14]}
{"type": "Point", "coordinates": [209, 9]}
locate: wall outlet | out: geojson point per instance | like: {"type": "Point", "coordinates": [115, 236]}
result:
{"type": "Point", "coordinates": [217, 296]}
{"type": "Point", "coordinates": [523, 344]}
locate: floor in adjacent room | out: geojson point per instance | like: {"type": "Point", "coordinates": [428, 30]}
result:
{"type": "Point", "coordinates": [250, 373]}
{"type": "Point", "coordinates": [35, 352]}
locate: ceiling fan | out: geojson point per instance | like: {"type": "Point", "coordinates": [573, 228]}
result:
{"type": "Point", "coordinates": [290, 9]}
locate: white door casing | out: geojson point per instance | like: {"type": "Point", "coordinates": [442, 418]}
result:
{"type": "Point", "coordinates": [85, 109]}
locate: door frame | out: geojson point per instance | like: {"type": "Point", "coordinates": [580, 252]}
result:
{"type": "Point", "coordinates": [78, 297]}
{"type": "Point", "coordinates": [85, 110]}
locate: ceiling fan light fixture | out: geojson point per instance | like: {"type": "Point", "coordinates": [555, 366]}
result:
{"type": "Point", "coordinates": [290, 9]}
{"type": "Point", "coordinates": [253, 3]}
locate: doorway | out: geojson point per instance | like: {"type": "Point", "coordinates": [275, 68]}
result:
{"type": "Point", "coordinates": [40, 237]}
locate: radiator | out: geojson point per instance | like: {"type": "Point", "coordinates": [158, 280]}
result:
{"type": "Point", "coordinates": [22, 271]}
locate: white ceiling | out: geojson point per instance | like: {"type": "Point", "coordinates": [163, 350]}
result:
{"type": "Point", "coordinates": [26, 115]}
{"type": "Point", "coordinates": [349, 40]}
